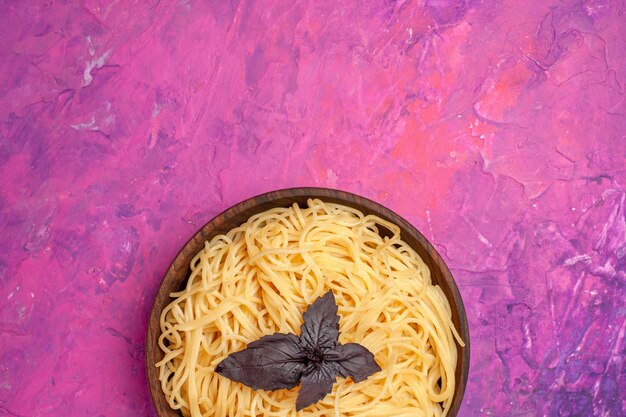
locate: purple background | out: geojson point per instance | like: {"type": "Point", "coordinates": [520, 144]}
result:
{"type": "Point", "coordinates": [498, 128]}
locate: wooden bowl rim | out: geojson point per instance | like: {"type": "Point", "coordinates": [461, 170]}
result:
{"type": "Point", "coordinates": [342, 197]}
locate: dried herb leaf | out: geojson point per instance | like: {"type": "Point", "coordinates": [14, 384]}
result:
{"type": "Point", "coordinates": [270, 363]}
{"type": "Point", "coordinates": [320, 329]}
{"type": "Point", "coordinates": [317, 382]}
{"type": "Point", "coordinates": [352, 360]}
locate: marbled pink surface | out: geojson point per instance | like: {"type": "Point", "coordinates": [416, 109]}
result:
{"type": "Point", "coordinates": [498, 128]}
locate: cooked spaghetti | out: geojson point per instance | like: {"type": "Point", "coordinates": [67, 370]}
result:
{"type": "Point", "coordinates": [259, 277]}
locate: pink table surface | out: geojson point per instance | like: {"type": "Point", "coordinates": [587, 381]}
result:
{"type": "Point", "coordinates": [497, 128]}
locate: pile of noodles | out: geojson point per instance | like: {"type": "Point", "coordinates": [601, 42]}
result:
{"type": "Point", "coordinates": [258, 279]}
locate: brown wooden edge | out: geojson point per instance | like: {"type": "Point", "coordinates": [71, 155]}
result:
{"type": "Point", "coordinates": [239, 213]}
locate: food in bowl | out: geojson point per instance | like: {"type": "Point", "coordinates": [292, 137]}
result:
{"type": "Point", "coordinates": [260, 279]}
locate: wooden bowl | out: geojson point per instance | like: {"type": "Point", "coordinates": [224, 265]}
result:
{"type": "Point", "coordinates": [179, 270]}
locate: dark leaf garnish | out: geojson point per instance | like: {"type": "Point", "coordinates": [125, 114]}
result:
{"type": "Point", "coordinates": [320, 329]}
{"type": "Point", "coordinates": [270, 363]}
{"type": "Point", "coordinates": [314, 359]}
{"type": "Point", "coordinates": [317, 381]}
{"type": "Point", "coordinates": [353, 360]}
